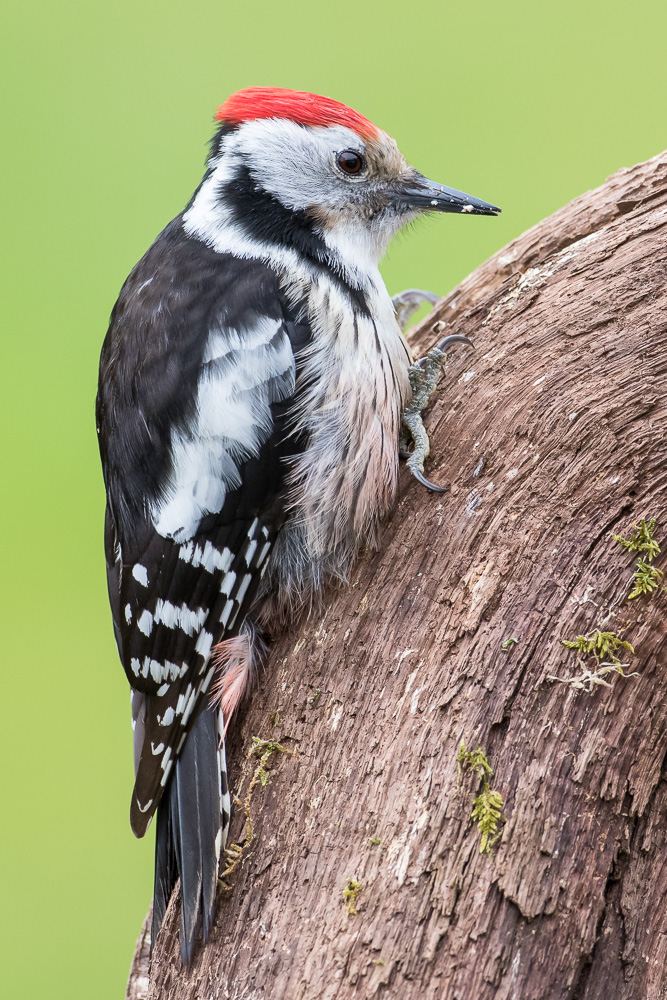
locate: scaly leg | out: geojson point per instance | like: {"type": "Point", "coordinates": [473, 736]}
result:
{"type": "Point", "coordinates": [424, 376]}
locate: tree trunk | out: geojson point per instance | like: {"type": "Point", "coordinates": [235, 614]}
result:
{"type": "Point", "coordinates": [551, 436]}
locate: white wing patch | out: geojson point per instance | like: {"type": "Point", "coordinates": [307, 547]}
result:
{"type": "Point", "coordinates": [242, 374]}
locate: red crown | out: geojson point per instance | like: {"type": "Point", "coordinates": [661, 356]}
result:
{"type": "Point", "coordinates": [296, 105]}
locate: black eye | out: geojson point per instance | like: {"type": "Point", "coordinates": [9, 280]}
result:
{"type": "Point", "coordinates": [350, 162]}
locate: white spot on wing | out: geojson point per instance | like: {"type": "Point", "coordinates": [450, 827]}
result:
{"type": "Point", "coordinates": [185, 552]}
{"type": "Point", "coordinates": [167, 772]}
{"type": "Point", "coordinates": [158, 671]}
{"type": "Point", "coordinates": [213, 559]}
{"type": "Point", "coordinates": [181, 617]}
{"type": "Point", "coordinates": [145, 622]}
{"type": "Point", "coordinates": [187, 712]}
{"type": "Point", "coordinates": [250, 551]}
{"type": "Point", "coordinates": [140, 574]}
{"type": "Point", "coordinates": [244, 587]}
{"type": "Point", "coordinates": [204, 643]}
{"type": "Point", "coordinates": [226, 612]}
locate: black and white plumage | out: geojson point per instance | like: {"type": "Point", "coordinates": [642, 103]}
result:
{"type": "Point", "coordinates": [250, 395]}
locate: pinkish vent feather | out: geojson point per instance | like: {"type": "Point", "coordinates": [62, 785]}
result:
{"type": "Point", "coordinates": [233, 660]}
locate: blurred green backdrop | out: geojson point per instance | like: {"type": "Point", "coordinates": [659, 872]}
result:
{"type": "Point", "coordinates": [107, 110]}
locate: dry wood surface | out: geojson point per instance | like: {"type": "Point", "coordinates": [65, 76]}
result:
{"type": "Point", "coordinates": [551, 436]}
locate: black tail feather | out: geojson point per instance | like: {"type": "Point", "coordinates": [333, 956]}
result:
{"type": "Point", "coordinates": [188, 835]}
{"type": "Point", "coordinates": [166, 871]}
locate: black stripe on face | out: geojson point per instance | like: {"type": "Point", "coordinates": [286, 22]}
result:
{"type": "Point", "coordinates": [264, 218]}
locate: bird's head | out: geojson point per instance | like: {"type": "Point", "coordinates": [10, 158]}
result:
{"type": "Point", "coordinates": [295, 170]}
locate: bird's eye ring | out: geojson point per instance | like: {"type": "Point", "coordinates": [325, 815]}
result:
{"type": "Point", "coordinates": [350, 162]}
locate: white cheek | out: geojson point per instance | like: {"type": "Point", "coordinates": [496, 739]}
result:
{"type": "Point", "coordinates": [294, 164]}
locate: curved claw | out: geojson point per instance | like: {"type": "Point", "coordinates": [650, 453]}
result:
{"type": "Point", "coordinates": [416, 296]}
{"type": "Point", "coordinates": [408, 302]}
{"type": "Point", "coordinates": [453, 338]}
{"type": "Point", "coordinates": [421, 478]}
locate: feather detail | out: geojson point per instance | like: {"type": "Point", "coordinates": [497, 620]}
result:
{"type": "Point", "coordinates": [234, 660]}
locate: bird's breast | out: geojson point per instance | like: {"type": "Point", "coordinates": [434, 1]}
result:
{"type": "Point", "coordinates": [354, 379]}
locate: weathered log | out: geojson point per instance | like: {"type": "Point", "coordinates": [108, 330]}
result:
{"type": "Point", "coordinates": [552, 436]}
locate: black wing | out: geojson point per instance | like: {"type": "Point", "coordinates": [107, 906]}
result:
{"type": "Point", "coordinates": [197, 376]}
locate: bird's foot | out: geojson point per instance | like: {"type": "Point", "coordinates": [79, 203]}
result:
{"type": "Point", "coordinates": [408, 302]}
{"type": "Point", "coordinates": [423, 376]}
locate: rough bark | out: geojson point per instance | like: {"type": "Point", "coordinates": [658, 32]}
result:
{"type": "Point", "coordinates": [551, 436]}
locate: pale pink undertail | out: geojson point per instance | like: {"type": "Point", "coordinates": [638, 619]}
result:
{"type": "Point", "coordinates": [234, 661]}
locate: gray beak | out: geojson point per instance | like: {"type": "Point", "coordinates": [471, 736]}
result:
{"type": "Point", "coordinates": [427, 196]}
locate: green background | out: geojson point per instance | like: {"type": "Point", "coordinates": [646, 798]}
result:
{"type": "Point", "coordinates": [106, 112]}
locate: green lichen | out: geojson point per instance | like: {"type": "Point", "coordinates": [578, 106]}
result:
{"type": "Point", "coordinates": [601, 645]}
{"type": "Point", "coordinates": [596, 660]}
{"type": "Point", "coordinates": [264, 750]}
{"type": "Point", "coordinates": [488, 805]}
{"type": "Point", "coordinates": [474, 760]}
{"type": "Point", "coordinates": [351, 890]}
{"type": "Point", "coordinates": [647, 578]}
{"type": "Point", "coordinates": [487, 813]}
{"type": "Point", "coordinates": [641, 540]}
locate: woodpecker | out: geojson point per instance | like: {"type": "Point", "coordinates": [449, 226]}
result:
{"type": "Point", "coordinates": [251, 392]}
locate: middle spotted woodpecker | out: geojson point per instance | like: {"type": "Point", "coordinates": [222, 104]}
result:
{"type": "Point", "coordinates": [252, 387]}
